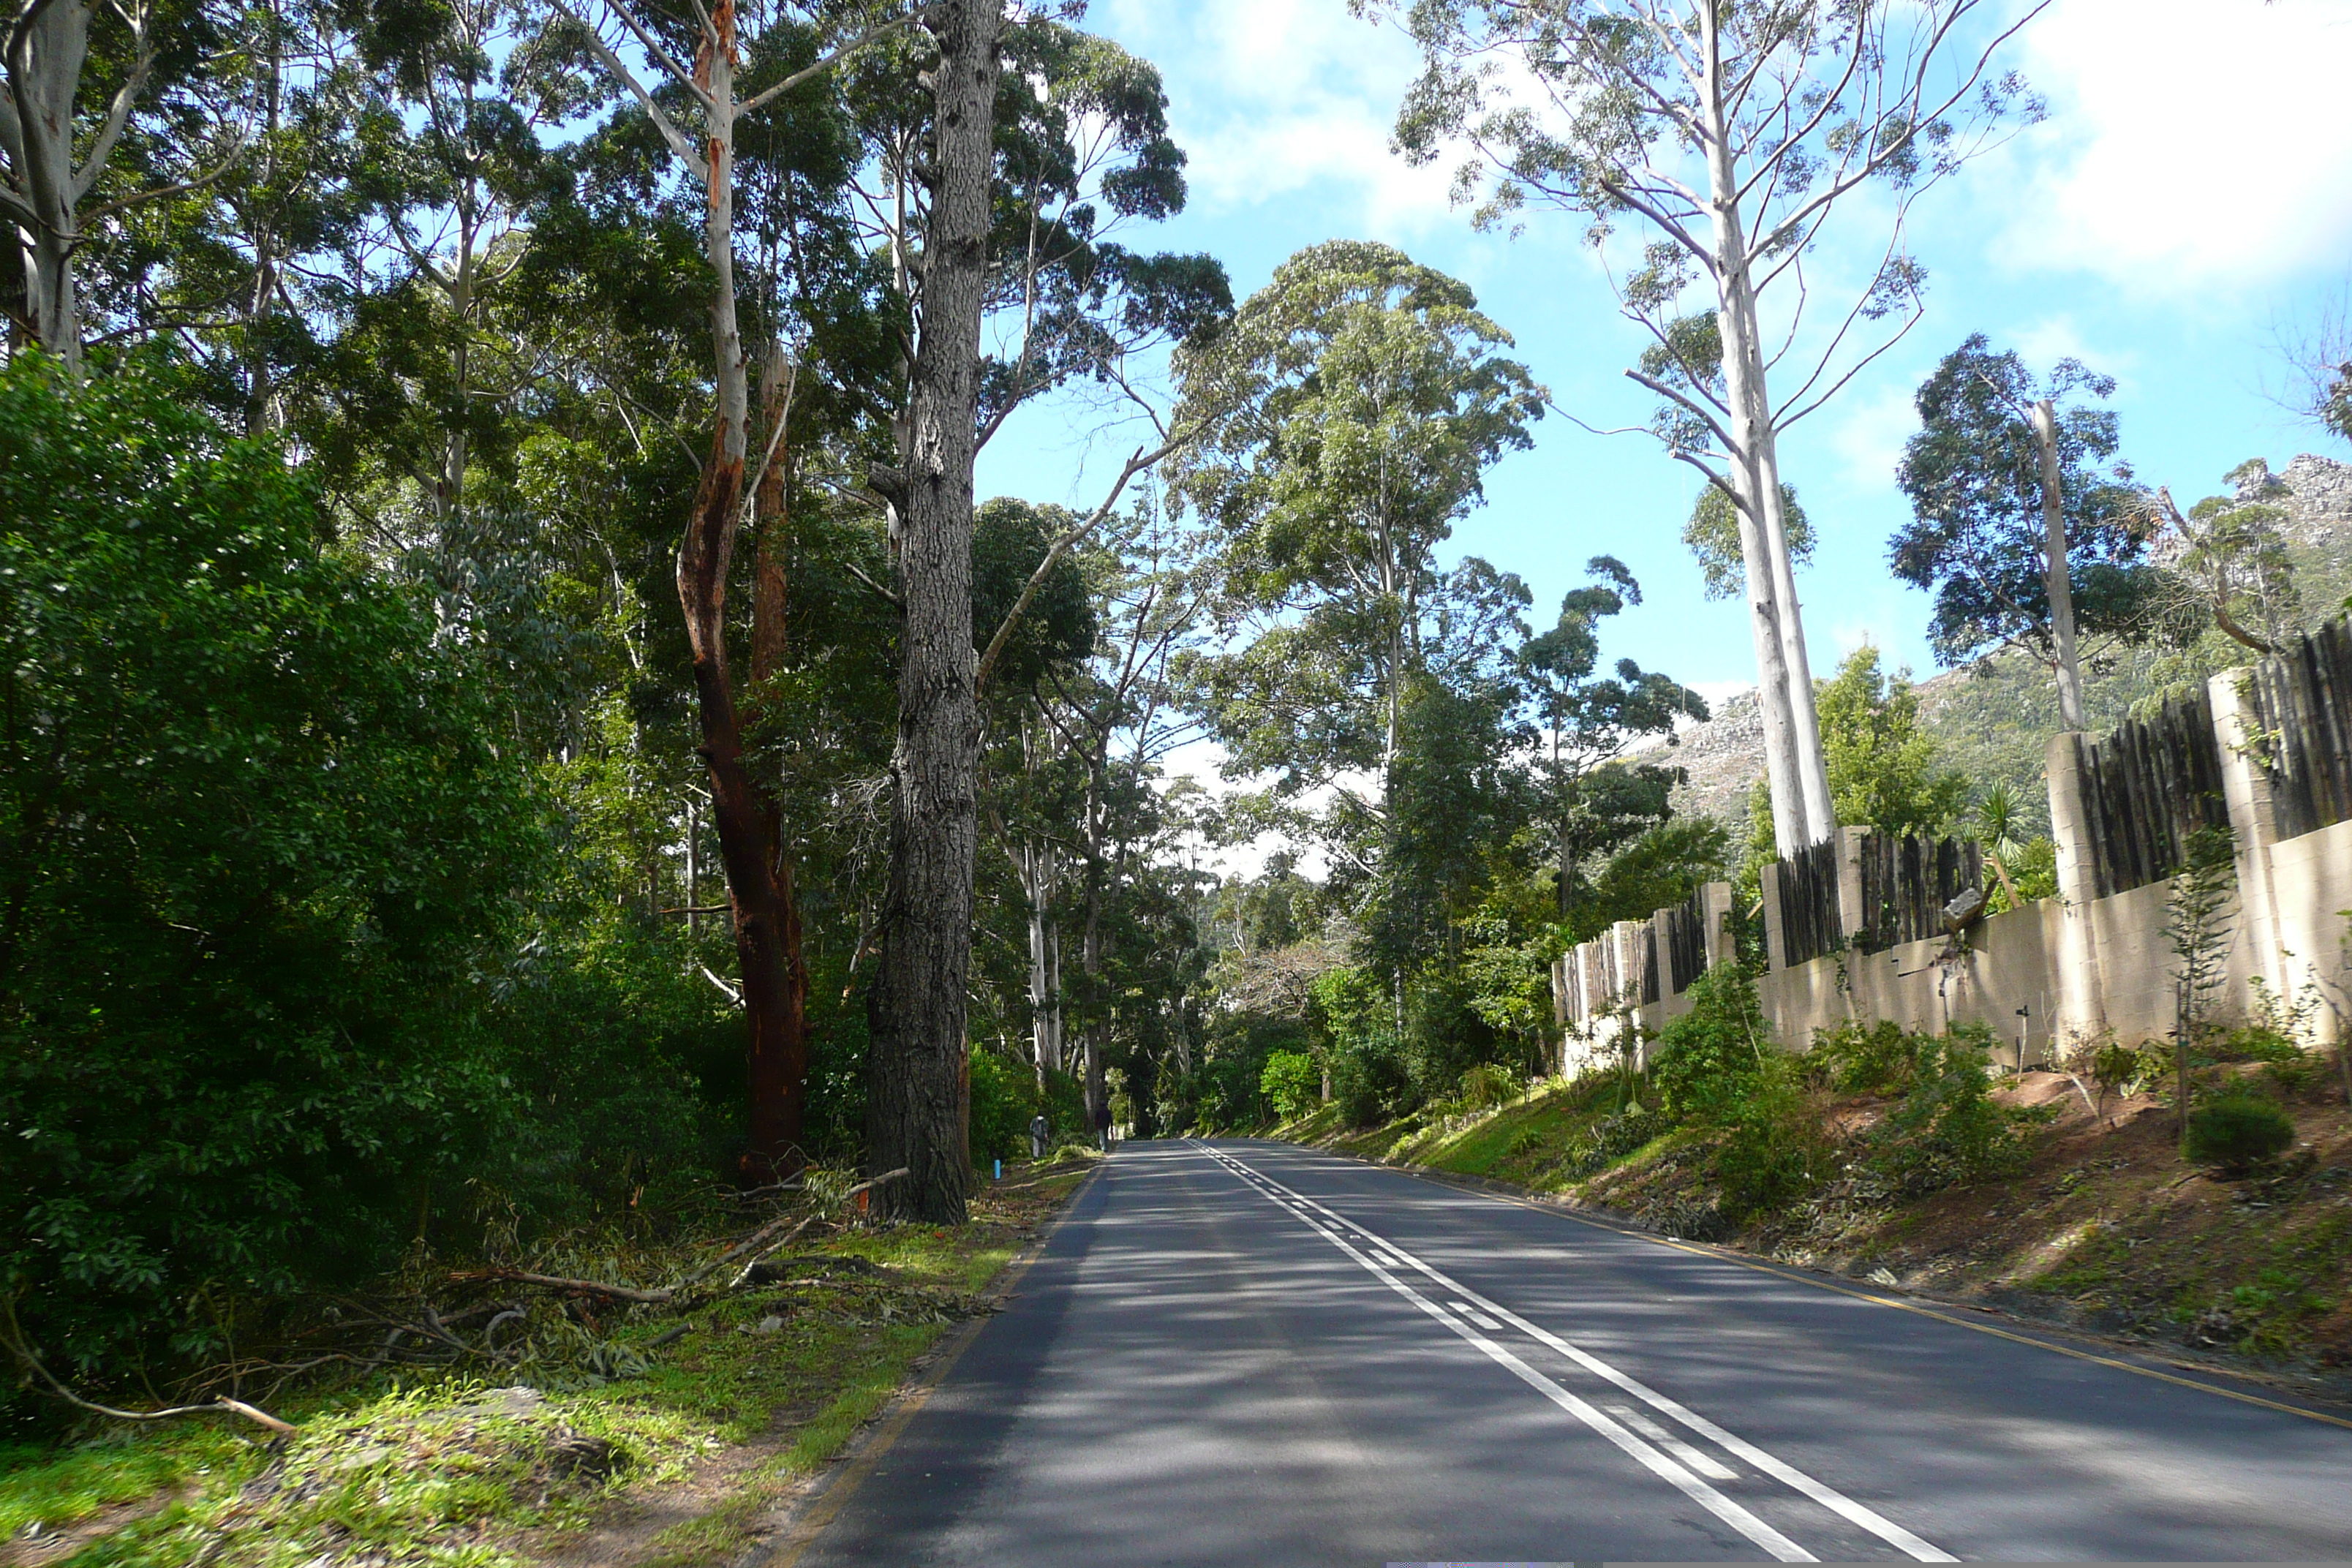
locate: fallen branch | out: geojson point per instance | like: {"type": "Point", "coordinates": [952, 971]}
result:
{"type": "Point", "coordinates": [572, 1287]}
{"type": "Point", "coordinates": [760, 1242]}
{"type": "Point", "coordinates": [23, 1353]}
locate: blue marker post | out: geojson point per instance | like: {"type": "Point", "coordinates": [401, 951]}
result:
{"type": "Point", "coordinates": [1000, 1170]}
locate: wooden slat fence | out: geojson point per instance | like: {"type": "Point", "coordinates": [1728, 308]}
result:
{"type": "Point", "coordinates": [1905, 883]}
{"type": "Point", "coordinates": [2302, 701]}
{"type": "Point", "coordinates": [1808, 903]}
{"type": "Point", "coordinates": [1686, 941]}
{"type": "Point", "coordinates": [2146, 788]}
{"type": "Point", "coordinates": [1649, 962]}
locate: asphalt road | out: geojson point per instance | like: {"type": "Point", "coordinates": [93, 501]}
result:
{"type": "Point", "coordinates": [1251, 1353]}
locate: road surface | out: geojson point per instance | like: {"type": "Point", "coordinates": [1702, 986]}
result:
{"type": "Point", "coordinates": [1252, 1353]}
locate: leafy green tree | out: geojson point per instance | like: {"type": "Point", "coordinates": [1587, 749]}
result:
{"type": "Point", "coordinates": [1599, 802]}
{"type": "Point", "coordinates": [259, 836]}
{"type": "Point", "coordinates": [1291, 1083]}
{"type": "Point", "coordinates": [1731, 135]}
{"type": "Point", "coordinates": [1347, 419]}
{"type": "Point", "coordinates": [2023, 538]}
{"type": "Point", "coordinates": [1883, 765]}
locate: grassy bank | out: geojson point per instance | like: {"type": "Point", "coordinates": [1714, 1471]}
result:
{"type": "Point", "coordinates": [2094, 1221]}
{"type": "Point", "coordinates": [670, 1442]}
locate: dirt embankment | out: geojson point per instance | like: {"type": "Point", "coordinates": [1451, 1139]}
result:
{"type": "Point", "coordinates": [2100, 1227]}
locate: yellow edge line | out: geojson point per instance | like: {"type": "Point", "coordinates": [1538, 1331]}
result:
{"type": "Point", "coordinates": [1721, 1257]}
{"type": "Point", "coordinates": [835, 1498]}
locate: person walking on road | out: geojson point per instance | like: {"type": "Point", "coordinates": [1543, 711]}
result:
{"type": "Point", "coordinates": [1102, 1126]}
{"type": "Point", "coordinates": [1038, 1129]}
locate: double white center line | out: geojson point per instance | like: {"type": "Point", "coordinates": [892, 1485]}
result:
{"type": "Point", "coordinates": [1681, 1464]}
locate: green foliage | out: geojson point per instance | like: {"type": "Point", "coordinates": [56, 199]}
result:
{"type": "Point", "coordinates": [1291, 1083]}
{"type": "Point", "coordinates": [1854, 1059]}
{"type": "Point", "coordinates": [1712, 535]}
{"type": "Point", "coordinates": [1948, 1129]}
{"type": "Point", "coordinates": [1777, 1147]}
{"type": "Point", "coordinates": [2235, 1133]}
{"type": "Point", "coordinates": [2196, 925]}
{"type": "Point", "coordinates": [1882, 767]}
{"type": "Point", "coordinates": [1006, 1098]}
{"type": "Point", "coordinates": [298, 949]}
{"type": "Point", "coordinates": [1226, 1089]}
{"type": "Point", "coordinates": [1973, 476]}
{"type": "Point", "coordinates": [262, 838]}
{"type": "Point", "coordinates": [1709, 1058]}
{"type": "Point", "coordinates": [1488, 1085]}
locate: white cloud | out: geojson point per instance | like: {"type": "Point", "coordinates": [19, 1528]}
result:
{"type": "Point", "coordinates": [1304, 95]}
{"type": "Point", "coordinates": [2190, 143]}
{"type": "Point", "coordinates": [1869, 437]}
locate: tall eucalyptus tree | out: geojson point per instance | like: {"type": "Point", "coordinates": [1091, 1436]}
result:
{"type": "Point", "coordinates": [1732, 134]}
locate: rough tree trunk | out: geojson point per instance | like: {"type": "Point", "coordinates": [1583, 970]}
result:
{"type": "Point", "coordinates": [918, 1091]}
{"type": "Point", "coordinates": [703, 556]}
{"type": "Point", "coordinates": [771, 512]}
{"type": "Point", "coordinates": [2054, 570]}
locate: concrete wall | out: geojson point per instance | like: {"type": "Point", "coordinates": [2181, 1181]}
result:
{"type": "Point", "coordinates": [2065, 970]}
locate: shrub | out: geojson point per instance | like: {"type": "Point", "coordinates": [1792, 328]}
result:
{"type": "Point", "coordinates": [1948, 1129]}
{"type": "Point", "coordinates": [2254, 1043]}
{"type": "Point", "coordinates": [1488, 1085]}
{"type": "Point", "coordinates": [1707, 1058]}
{"type": "Point", "coordinates": [1852, 1060]}
{"type": "Point", "coordinates": [1610, 1139]}
{"type": "Point", "coordinates": [1292, 1083]}
{"type": "Point", "coordinates": [1003, 1098]}
{"type": "Point", "coordinates": [2237, 1131]}
{"type": "Point", "coordinates": [265, 855]}
{"type": "Point", "coordinates": [1778, 1148]}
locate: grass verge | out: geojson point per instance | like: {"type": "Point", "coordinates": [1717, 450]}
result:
{"type": "Point", "coordinates": [675, 1454]}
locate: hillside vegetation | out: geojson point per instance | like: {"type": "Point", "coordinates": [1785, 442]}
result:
{"type": "Point", "coordinates": [1898, 1159]}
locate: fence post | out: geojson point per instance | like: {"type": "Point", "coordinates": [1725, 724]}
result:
{"type": "Point", "coordinates": [1776, 941]}
{"type": "Point", "coordinates": [1853, 843]}
{"type": "Point", "coordinates": [2077, 1003]}
{"type": "Point", "coordinates": [2253, 820]}
{"type": "Point", "coordinates": [1626, 936]}
{"type": "Point", "coordinates": [1715, 899]}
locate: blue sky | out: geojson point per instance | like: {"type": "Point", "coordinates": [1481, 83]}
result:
{"type": "Point", "coordinates": [2187, 202]}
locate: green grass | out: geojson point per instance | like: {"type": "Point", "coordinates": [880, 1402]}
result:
{"type": "Point", "coordinates": [429, 1473]}
{"type": "Point", "coordinates": [1525, 1142]}
{"type": "Point", "coordinates": [39, 1485]}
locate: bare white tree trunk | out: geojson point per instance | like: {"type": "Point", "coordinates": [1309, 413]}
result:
{"type": "Point", "coordinates": [2054, 569]}
{"type": "Point", "coordinates": [48, 45]}
{"type": "Point", "coordinates": [1801, 809]}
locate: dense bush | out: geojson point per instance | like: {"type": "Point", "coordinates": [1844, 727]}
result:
{"type": "Point", "coordinates": [1948, 1129]}
{"type": "Point", "coordinates": [1225, 1088]}
{"type": "Point", "coordinates": [1777, 1147]}
{"type": "Point", "coordinates": [1006, 1098]}
{"type": "Point", "coordinates": [1707, 1060]}
{"type": "Point", "coordinates": [1292, 1083]}
{"type": "Point", "coordinates": [2237, 1131]}
{"type": "Point", "coordinates": [287, 972]}
{"type": "Point", "coordinates": [1854, 1059]}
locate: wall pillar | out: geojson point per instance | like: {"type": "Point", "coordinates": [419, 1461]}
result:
{"type": "Point", "coordinates": [2077, 1003]}
{"type": "Point", "coordinates": [1776, 941]}
{"type": "Point", "coordinates": [1715, 899]}
{"type": "Point", "coordinates": [2253, 821]}
{"type": "Point", "coordinates": [1849, 910]}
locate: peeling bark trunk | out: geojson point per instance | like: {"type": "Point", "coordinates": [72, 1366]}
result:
{"type": "Point", "coordinates": [703, 557]}
{"type": "Point", "coordinates": [918, 1089]}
